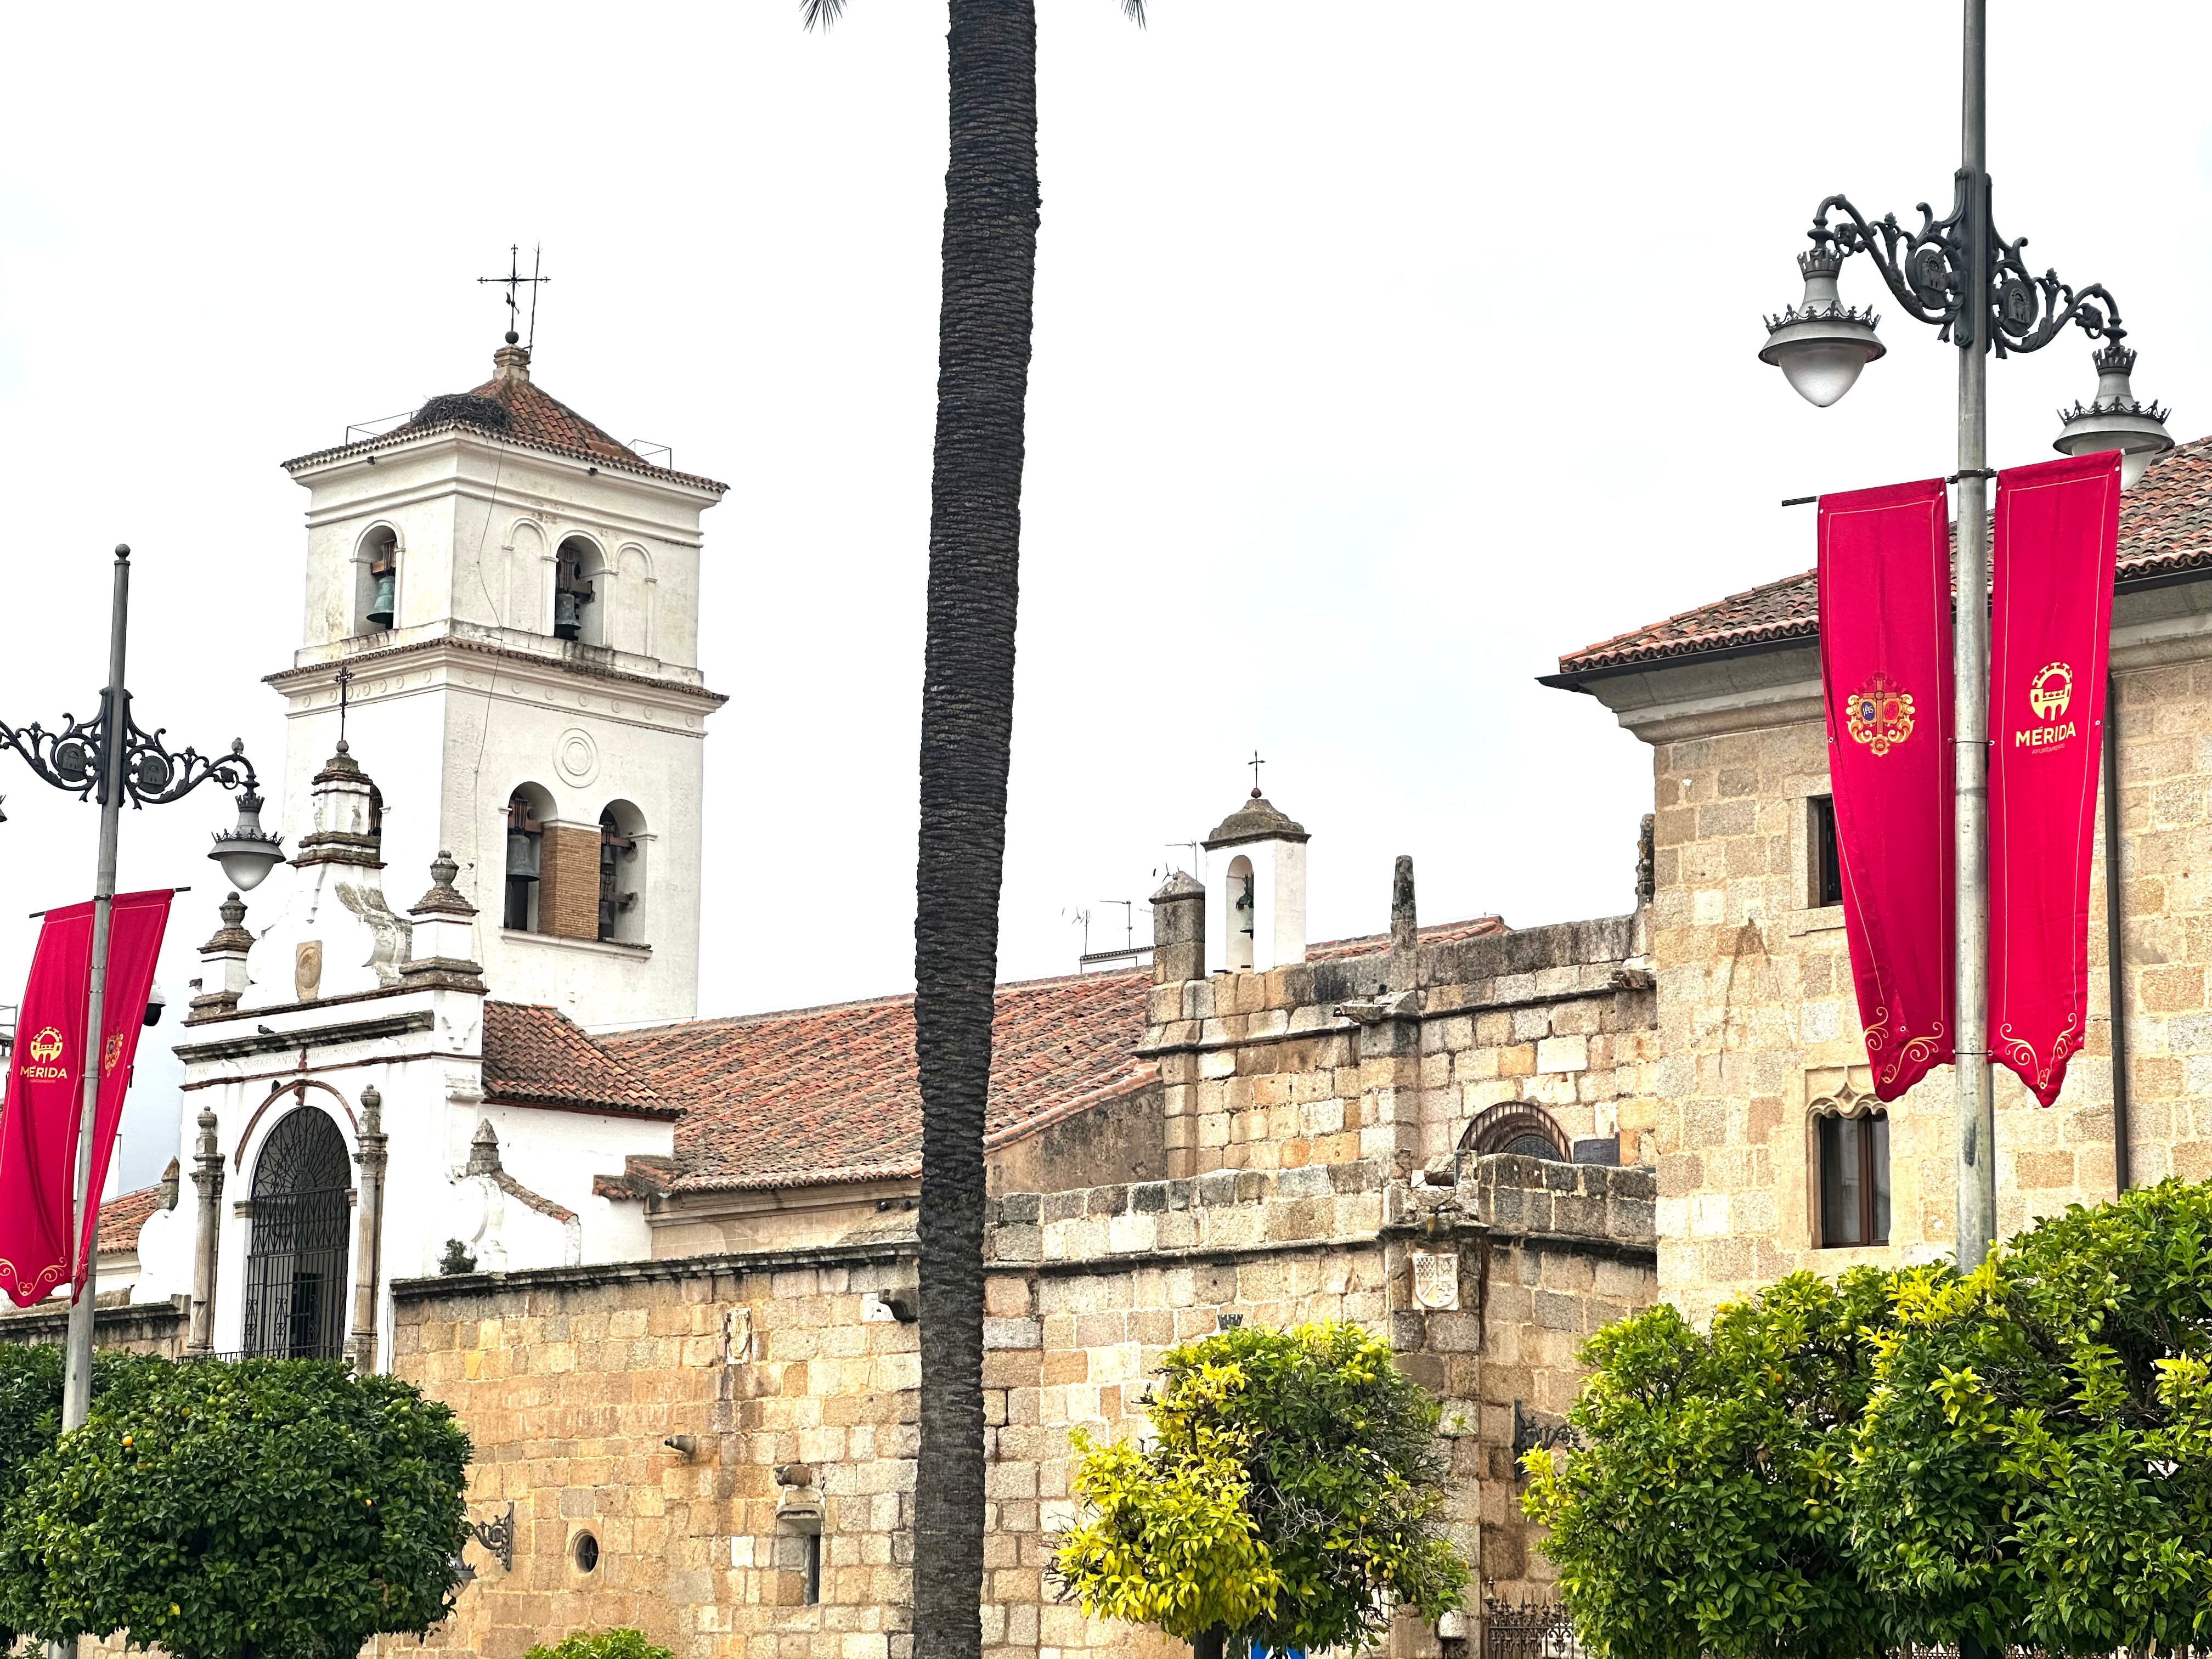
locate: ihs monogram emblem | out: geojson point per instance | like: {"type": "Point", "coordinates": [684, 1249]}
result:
{"type": "Point", "coordinates": [1879, 714]}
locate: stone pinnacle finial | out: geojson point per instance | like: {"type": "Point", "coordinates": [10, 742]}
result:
{"type": "Point", "coordinates": [483, 1149]}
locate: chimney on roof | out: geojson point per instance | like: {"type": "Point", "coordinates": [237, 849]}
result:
{"type": "Point", "coordinates": [511, 361]}
{"type": "Point", "coordinates": [1179, 930]}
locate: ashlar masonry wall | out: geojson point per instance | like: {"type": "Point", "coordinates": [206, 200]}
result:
{"type": "Point", "coordinates": [1759, 1027]}
{"type": "Point", "coordinates": [787, 1384]}
{"type": "Point", "coordinates": [1319, 1063]}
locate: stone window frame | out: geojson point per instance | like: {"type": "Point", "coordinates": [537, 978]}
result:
{"type": "Point", "coordinates": [1807, 917]}
{"type": "Point", "coordinates": [1845, 1102]}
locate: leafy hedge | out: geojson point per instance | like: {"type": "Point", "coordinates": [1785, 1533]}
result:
{"type": "Point", "coordinates": [2023, 1455]}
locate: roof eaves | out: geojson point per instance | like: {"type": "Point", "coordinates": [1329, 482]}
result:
{"type": "Point", "coordinates": [400, 435]}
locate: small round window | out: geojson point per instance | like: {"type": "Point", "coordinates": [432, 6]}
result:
{"type": "Point", "coordinates": [586, 1551]}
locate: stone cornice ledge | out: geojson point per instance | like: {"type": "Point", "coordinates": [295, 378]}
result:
{"type": "Point", "coordinates": [670, 1268]}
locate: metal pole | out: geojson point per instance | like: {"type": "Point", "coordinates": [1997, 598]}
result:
{"type": "Point", "coordinates": [76, 1393]}
{"type": "Point", "coordinates": [2115, 966]}
{"type": "Point", "coordinates": [1977, 1167]}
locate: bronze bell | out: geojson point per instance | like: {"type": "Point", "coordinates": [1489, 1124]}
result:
{"type": "Point", "coordinates": [567, 621]}
{"type": "Point", "coordinates": [380, 610]}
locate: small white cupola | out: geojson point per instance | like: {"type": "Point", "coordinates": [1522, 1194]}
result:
{"type": "Point", "coordinates": [1255, 890]}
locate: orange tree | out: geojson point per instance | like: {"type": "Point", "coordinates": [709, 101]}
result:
{"type": "Point", "coordinates": [1291, 1491]}
{"type": "Point", "coordinates": [266, 1509]}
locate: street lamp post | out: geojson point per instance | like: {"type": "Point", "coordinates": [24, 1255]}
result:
{"type": "Point", "coordinates": [1958, 275]}
{"type": "Point", "coordinates": [108, 757]}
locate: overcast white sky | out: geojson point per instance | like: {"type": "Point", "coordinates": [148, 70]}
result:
{"type": "Point", "coordinates": [1382, 353]}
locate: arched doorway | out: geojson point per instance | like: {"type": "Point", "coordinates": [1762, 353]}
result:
{"type": "Point", "coordinates": [296, 1257]}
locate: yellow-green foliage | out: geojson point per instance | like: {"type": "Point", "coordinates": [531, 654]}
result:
{"type": "Point", "coordinates": [1291, 1490]}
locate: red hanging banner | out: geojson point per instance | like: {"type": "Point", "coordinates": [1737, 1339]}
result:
{"type": "Point", "coordinates": [134, 927]}
{"type": "Point", "coordinates": [39, 1122]}
{"type": "Point", "coordinates": [1886, 681]}
{"type": "Point", "coordinates": [2057, 537]}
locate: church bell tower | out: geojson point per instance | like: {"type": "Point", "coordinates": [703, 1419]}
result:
{"type": "Point", "coordinates": [508, 599]}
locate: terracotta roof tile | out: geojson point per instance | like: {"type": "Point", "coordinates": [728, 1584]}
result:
{"type": "Point", "coordinates": [121, 1217]}
{"type": "Point", "coordinates": [2166, 526]}
{"type": "Point", "coordinates": [534, 1055]}
{"type": "Point", "coordinates": [535, 419]}
{"type": "Point", "coordinates": [830, 1094]}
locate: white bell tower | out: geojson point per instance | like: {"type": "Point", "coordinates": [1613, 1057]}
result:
{"type": "Point", "coordinates": [512, 597]}
{"type": "Point", "coordinates": [1255, 890]}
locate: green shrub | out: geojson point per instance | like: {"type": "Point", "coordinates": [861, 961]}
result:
{"type": "Point", "coordinates": [603, 1645]}
{"type": "Point", "coordinates": [2035, 1465]}
{"type": "Point", "coordinates": [1292, 1491]}
{"type": "Point", "coordinates": [266, 1509]}
{"type": "Point", "coordinates": [1704, 1513]}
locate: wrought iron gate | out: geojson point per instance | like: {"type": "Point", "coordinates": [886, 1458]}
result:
{"type": "Point", "coordinates": [296, 1259]}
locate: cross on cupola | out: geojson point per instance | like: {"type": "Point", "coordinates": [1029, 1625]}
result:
{"type": "Point", "coordinates": [515, 281]}
{"type": "Point", "coordinates": [1255, 763]}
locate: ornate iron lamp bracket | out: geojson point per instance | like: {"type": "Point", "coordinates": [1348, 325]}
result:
{"type": "Point", "coordinates": [497, 1535]}
{"type": "Point", "coordinates": [1925, 271]}
{"type": "Point", "coordinates": [1530, 1432]}
{"type": "Point", "coordinates": [75, 759]}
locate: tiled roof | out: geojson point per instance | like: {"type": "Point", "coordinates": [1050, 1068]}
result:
{"type": "Point", "coordinates": [2165, 526]}
{"type": "Point", "coordinates": [534, 1055]}
{"type": "Point", "coordinates": [830, 1094]}
{"type": "Point", "coordinates": [535, 419]}
{"type": "Point", "coordinates": [1444, 933]}
{"type": "Point", "coordinates": [121, 1217]}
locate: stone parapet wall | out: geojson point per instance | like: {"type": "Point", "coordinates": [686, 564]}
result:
{"type": "Point", "coordinates": [1317, 1064]}
{"type": "Point", "coordinates": [157, 1327]}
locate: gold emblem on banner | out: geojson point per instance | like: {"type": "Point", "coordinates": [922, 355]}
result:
{"type": "Point", "coordinates": [2049, 692]}
{"type": "Point", "coordinates": [1879, 714]}
{"type": "Point", "coordinates": [114, 1053]}
{"type": "Point", "coordinates": [44, 1048]}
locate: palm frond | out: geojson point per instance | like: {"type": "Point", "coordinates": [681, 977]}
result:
{"type": "Point", "coordinates": [1134, 11]}
{"type": "Point", "coordinates": [821, 14]}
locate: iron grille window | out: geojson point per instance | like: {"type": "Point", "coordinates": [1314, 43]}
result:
{"type": "Point", "coordinates": [296, 1256]}
{"type": "Point", "coordinates": [1827, 858]}
{"type": "Point", "coordinates": [1855, 1180]}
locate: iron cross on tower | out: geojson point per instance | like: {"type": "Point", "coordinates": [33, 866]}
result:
{"type": "Point", "coordinates": [1255, 763]}
{"type": "Point", "coordinates": [515, 280]}
{"type": "Point", "coordinates": [344, 684]}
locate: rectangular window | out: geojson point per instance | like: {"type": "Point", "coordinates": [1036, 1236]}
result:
{"type": "Point", "coordinates": [1825, 857]}
{"type": "Point", "coordinates": [1854, 1180]}
{"type": "Point", "coordinates": [813, 1569]}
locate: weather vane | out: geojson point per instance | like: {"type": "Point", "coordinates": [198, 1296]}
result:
{"type": "Point", "coordinates": [515, 280]}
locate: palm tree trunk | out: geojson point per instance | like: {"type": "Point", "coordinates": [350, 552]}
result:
{"type": "Point", "coordinates": [967, 725]}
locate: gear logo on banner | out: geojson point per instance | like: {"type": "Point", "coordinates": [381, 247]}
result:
{"type": "Point", "coordinates": [1880, 715]}
{"type": "Point", "coordinates": [2048, 695]}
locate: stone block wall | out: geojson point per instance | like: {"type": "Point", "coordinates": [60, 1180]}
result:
{"type": "Point", "coordinates": [793, 1381]}
{"type": "Point", "coordinates": [142, 1328]}
{"type": "Point", "coordinates": [795, 1395]}
{"type": "Point", "coordinates": [1758, 1022]}
{"type": "Point", "coordinates": [1314, 1065]}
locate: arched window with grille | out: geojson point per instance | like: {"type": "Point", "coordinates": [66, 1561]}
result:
{"type": "Point", "coordinates": [295, 1253]}
{"type": "Point", "coordinates": [1515, 1126]}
